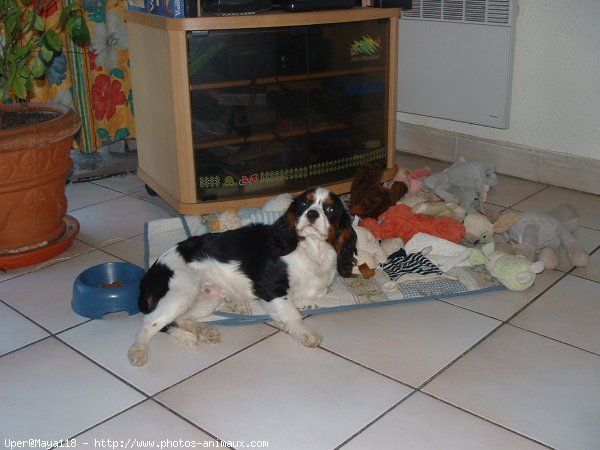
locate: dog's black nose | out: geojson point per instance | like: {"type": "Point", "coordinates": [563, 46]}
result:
{"type": "Point", "coordinates": [312, 215]}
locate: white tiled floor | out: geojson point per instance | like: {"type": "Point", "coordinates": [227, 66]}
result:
{"type": "Point", "coordinates": [502, 370]}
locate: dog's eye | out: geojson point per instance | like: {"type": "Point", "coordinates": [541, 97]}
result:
{"type": "Point", "coordinates": [329, 210]}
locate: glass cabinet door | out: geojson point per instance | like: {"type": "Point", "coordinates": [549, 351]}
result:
{"type": "Point", "coordinates": [280, 109]}
{"type": "Point", "coordinates": [348, 99]}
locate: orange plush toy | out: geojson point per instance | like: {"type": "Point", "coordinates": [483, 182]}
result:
{"type": "Point", "coordinates": [400, 221]}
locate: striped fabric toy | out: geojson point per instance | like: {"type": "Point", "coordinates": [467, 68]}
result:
{"type": "Point", "coordinates": [399, 263]}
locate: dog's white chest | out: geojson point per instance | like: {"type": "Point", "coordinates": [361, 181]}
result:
{"type": "Point", "coordinates": [311, 267]}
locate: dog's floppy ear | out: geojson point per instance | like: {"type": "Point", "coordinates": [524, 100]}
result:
{"type": "Point", "coordinates": [344, 243]}
{"type": "Point", "coordinates": [285, 239]}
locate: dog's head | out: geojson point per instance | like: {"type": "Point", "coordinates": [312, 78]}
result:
{"type": "Point", "coordinates": [320, 214]}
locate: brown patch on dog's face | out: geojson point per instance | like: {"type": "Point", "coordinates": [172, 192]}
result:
{"type": "Point", "coordinates": [331, 237]}
{"type": "Point", "coordinates": [292, 218]}
{"type": "Point", "coordinates": [343, 238]}
{"type": "Point", "coordinates": [310, 195]}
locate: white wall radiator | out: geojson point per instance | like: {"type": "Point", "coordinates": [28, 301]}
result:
{"type": "Point", "coordinates": [455, 60]}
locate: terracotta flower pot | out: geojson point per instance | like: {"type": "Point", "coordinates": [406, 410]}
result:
{"type": "Point", "coordinates": [35, 145]}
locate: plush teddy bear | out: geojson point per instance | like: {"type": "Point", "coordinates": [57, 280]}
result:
{"type": "Point", "coordinates": [515, 272]}
{"type": "Point", "coordinates": [463, 183]}
{"type": "Point", "coordinates": [368, 197]}
{"type": "Point", "coordinates": [542, 234]}
{"type": "Point", "coordinates": [369, 253]}
{"type": "Point", "coordinates": [400, 221]}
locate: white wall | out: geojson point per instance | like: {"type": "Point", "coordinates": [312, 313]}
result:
{"type": "Point", "coordinates": [555, 104]}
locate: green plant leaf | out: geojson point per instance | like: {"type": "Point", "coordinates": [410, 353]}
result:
{"type": "Point", "coordinates": [25, 72]}
{"type": "Point", "coordinates": [66, 12]}
{"type": "Point", "coordinates": [78, 30]}
{"type": "Point", "coordinates": [47, 54]}
{"type": "Point", "coordinates": [52, 41]}
{"type": "Point", "coordinates": [38, 68]}
{"type": "Point", "coordinates": [19, 87]}
{"type": "Point", "coordinates": [22, 53]}
{"type": "Point", "coordinates": [12, 21]}
{"type": "Point", "coordinates": [39, 23]}
{"type": "Point", "coordinates": [30, 19]}
{"type": "Point", "coordinates": [10, 79]}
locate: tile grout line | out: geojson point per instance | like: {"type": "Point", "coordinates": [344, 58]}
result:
{"type": "Point", "coordinates": [499, 425]}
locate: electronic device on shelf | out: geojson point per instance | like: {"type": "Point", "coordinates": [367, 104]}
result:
{"type": "Point", "coordinates": [234, 7]}
{"type": "Point", "coordinates": [314, 5]}
{"type": "Point", "coordinates": [404, 4]}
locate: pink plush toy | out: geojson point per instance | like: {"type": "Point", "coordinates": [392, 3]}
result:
{"type": "Point", "coordinates": [411, 178]}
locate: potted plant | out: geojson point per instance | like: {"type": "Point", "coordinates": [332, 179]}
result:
{"type": "Point", "coordinates": [35, 138]}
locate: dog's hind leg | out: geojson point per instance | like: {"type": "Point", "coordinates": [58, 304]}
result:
{"type": "Point", "coordinates": [285, 314]}
{"type": "Point", "coordinates": [169, 308]}
{"type": "Point", "coordinates": [190, 330]}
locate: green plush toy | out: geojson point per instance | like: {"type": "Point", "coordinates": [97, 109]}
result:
{"type": "Point", "coordinates": [515, 272]}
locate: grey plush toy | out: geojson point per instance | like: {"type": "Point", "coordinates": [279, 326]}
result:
{"type": "Point", "coordinates": [539, 235]}
{"type": "Point", "coordinates": [463, 183]}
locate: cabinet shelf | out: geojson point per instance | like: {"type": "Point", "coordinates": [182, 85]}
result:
{"type": "Point", "coordinates": [270, 136]}
{"type": "Point", "coordinates": [284, 78]}
{"type": "Point", "coordinates": [289, 101]}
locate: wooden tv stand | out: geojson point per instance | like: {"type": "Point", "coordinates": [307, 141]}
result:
{"type": "Point", "coordinates": [230, 111]}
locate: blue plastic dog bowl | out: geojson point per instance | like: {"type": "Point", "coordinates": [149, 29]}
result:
{"type": "Point", "coordinates": [107, 288]}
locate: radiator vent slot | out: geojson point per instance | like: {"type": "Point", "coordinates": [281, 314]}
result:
{"type": "Point", "coordinates": [496, 12]}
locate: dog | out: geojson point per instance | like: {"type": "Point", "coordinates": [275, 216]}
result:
{"type": "Point", "coordinates": [285, 264]}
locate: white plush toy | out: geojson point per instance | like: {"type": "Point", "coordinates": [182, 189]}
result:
{"type": "Point", "coordinates": [279, 202]}
{"type": "Point", "coordinates": [478, 229]}
{"type": "Point", "coordinates": [369, 253]}
{"type": "Point", "coordinates": [515, 272]}
{"type": "Point", "coordinates": [392, 245]}
{"type": "Point", "coordinates": [441, 252]}
{"type": "Point", "coordinates": [270, 211]}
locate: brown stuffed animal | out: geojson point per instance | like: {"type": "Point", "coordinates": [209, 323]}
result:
{"type": "Point", "coordinates": [368, 197]}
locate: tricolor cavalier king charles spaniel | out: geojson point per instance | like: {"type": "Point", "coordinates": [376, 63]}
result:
{"type": "Point", "coordinates": [285, 264]}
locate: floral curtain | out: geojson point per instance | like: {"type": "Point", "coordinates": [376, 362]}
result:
{"type": "Point", "coordinates": [94, 80]}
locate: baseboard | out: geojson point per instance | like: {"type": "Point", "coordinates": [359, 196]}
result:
{"type": "Point", "coordinates": [528, 163]}
{"type": "Point", "coordinates": [113, 159]}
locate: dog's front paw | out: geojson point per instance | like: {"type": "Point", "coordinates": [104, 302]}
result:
{"type": "Point", "coordinates": [138, 355]}
{"type": "Point", "coordinates": [206, 333]}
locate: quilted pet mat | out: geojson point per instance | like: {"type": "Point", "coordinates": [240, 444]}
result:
{"type": "Point", "coordinates": [344, 293]}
